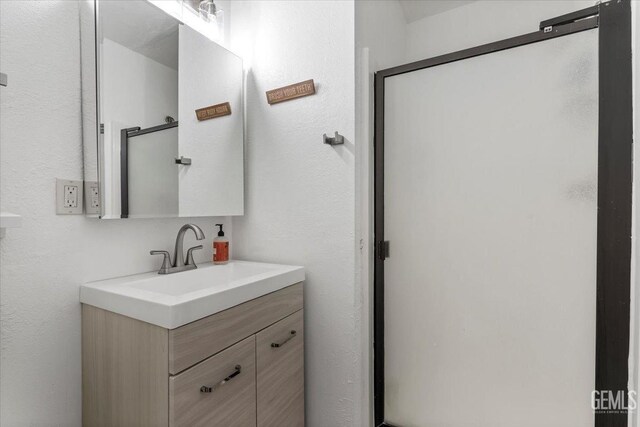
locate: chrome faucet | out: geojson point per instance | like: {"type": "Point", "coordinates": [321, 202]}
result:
{"type": "Point", "coordinates": [178, 257]}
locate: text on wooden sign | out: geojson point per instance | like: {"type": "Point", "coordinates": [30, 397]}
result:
{"type": "Point", "coordinates": [213, 111]}
{"type": "Point", "coordinates": [293, 91]}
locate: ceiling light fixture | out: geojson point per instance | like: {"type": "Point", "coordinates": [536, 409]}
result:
{"type": "Point", "coordinates": [202, 15]}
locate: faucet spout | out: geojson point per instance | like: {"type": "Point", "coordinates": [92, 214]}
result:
{"type": "Point", "coordinates": [179, 251]}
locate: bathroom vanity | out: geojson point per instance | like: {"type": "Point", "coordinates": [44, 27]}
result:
{"type": "Point", "coordinates": [216, 346]}
{"type": "Point", "coordinates": [209, 345]}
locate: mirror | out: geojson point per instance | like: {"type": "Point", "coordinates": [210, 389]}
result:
{"type": "Point", "coordinates": [162, 116]}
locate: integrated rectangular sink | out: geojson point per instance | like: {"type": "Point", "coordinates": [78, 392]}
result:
{"type": "Point", "coordinates": [174, 300]}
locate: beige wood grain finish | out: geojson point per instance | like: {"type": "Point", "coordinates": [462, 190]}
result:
{"type": "Point", "coordinates": [280, 376]}
{"type": "Point", "coordinates": [125, 380]}
{"type": "Point", "coordinates": [198, 340]}
{"type": "Point", "coordinates": [232, 404]}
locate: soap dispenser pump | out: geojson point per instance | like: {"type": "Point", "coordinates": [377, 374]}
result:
{"type": "Point", "coordinates": [220, 247]}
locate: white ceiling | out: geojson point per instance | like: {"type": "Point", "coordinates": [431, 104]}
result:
{"type": "Point", "coordinates": [418, 9]}
{"type": "Point", "coordinates": [143, 28]}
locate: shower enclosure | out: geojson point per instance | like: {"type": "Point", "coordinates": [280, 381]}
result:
{"type": "Point", "coordinates": [149, 171]}
{"type": "Point", "coordinates": [503, 224]}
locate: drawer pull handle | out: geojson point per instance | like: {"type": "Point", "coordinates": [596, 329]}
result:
{"type": "Point", "coordinates": [292, 335]}
{"type": "Point", "coordinates": [211, 389]}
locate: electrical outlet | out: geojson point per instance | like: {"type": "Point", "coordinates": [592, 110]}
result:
{"type": "Point", "coordinates": [69, 198]}
{"type": "Point", "coordinates": [92, 201]}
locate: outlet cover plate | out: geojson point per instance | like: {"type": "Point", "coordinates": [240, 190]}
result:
{"type": "Point", "coordinates": [92, 198]}
{"type": "Point", "coordinates": [69, 197]}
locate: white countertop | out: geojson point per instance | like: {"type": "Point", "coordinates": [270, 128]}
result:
{"type": "Point", "coordinates": [10, 220]}
{"type": "Point", "coordinates": [173, 300]}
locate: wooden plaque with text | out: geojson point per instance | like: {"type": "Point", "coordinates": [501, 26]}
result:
{"type": "Point", "coordinates": [213, 111]}
{"type": "Point", "coordinates": [287, 93]}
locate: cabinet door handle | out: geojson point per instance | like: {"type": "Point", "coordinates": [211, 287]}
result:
{"type": "Point", "coordinates": [211, 389]}
{"type": "Point", "coordinates": [292, 335]}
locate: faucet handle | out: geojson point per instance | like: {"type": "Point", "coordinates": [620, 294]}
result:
{"type": "Point", "coordinates": [190, 260]}
{"type": "Point", "coordinates": [166, 262]}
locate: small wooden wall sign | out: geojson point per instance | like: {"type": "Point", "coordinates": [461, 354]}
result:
{"type": "Point", "coordinates": [213, 111]}
{"type": "Point", "coordinates": [287, 93]}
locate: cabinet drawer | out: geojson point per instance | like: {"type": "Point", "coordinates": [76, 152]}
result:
{"type": "Point", "coordinates": [280, 379]}
{"type": "Point", "coordinates": [191, 343]}
{"type": "Point", "coordinates": [230, 403]}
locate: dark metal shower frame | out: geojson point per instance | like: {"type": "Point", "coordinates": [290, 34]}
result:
{"type": "Point", "coordinates": [615, 175]}
{"type": "Point", "coordinates": [125, 134]}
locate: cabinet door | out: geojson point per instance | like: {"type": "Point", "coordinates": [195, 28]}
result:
{"type": "Point", "coordinates": [220, 391]}
{"type": "Point", "coordinates": [280, 361]}
{"type": "Point", "coordinates": [195, 341]}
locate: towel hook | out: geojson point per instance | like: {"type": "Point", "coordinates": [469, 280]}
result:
{"type": "Point", "coordinates": [337, 140]}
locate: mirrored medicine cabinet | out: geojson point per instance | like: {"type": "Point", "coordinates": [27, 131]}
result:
{"type": "Point", "coordinates": [162, 116]}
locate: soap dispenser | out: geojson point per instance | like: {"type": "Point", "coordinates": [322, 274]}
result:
{"type": "Point", "coordinates": [220, 247]}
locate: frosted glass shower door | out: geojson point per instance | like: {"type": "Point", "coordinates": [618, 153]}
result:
{"type": "Point", "coordinates": [490, 210]}
{"type": "Point", "coordinates": [153, 174]}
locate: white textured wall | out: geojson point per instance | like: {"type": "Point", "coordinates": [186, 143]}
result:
{"type": "Point", "coordinates": [387, 47]}
{"type": "Point", "coordinates": [299, 192]}
{"type": "Point", "coordinates": [44, 262]}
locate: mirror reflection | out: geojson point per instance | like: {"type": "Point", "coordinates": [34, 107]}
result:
{"type": "Point", "coordinates": [169, 108]}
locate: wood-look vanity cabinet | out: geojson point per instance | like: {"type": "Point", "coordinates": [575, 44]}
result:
{"type": "Point", "coordinates": [240, 367]}
{"type": "Point", "coordinates": [280, 373]}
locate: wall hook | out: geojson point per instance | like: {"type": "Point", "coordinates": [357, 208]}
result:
{"type": "Point", "coordinates": [337, 140]}
{"type": "Point", "coordinates": [183, 160]}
